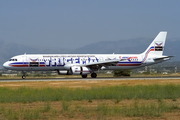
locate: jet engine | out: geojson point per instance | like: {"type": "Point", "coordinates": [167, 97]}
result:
{"type": "Point", "coordinates": [80, 70]}
{"type": "Point", "coordinates": [75, 71]}
{"type": "Point", "coordinates": [64, 72]}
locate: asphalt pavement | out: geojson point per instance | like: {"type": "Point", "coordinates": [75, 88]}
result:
{"type": "Point", "coordinates": [81, 79]}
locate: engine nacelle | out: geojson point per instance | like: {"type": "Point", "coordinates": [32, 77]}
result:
{"type": "Point", "coordinates": [64, 72]}
{"type": "Point", "coordinates": [80, 70]}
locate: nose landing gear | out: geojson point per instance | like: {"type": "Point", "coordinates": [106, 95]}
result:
{"type": "Point", "coordinates": [24, 75]}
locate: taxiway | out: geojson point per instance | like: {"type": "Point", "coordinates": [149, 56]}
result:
{"type": "Point", "coordinates": [87, 79]}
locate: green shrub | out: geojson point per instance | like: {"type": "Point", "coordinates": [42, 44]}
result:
{"type": "Point", "coordinates": [118, 73]}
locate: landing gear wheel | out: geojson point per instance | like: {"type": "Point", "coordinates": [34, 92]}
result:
{"type": "Point", "coordinates": [93, 75]}
{"type": "Point", "coordinates": [23, 77]}
{"type": "Point", "coordinates": [23, 74]}
{"type": "Point", "coordinates": [84, 76]}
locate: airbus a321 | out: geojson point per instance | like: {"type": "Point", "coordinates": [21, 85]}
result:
{"type": "Point", "coordinates": [84, 64]}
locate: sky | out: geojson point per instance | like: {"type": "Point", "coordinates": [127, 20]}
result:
{"type": "Point", "coordinates": [75, 23]}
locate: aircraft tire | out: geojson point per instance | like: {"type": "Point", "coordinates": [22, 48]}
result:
{"type": "Point", "coordinates": [84, 76]}
{"type": "Point", "coordinates": [23, 77]}
{"type": "Point", "coordinates": [93, 75]}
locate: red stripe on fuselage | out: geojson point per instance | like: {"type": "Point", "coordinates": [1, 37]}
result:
{"type": "Point", "coordinates": [19, 65]}
{"type": "Point", "coordinates": [42, 66]}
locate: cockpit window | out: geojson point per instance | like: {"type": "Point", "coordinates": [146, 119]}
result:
{"type": "Point", "coordinates": [13, 60]}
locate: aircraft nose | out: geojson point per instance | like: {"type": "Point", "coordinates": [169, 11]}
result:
{"type": "Point", "coordinates": [5, 65]}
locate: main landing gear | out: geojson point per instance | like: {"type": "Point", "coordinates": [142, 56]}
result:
{"type": "Point", "coordinates": [84, 76]}
{"type": "Point", "coordinates": [93, 75]}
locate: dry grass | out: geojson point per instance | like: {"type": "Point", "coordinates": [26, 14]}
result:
{"type": "Point", "coordinates": [87, 83]}
{"type": "Point", "coordinates": [81, 110]}
{"type": "Point", "coordinates": [75, 108]}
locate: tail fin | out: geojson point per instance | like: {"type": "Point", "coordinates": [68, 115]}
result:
{"type": "Point", "coordinates": [157, 46]}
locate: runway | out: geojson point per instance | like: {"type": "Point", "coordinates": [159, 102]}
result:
{"type": "Point", "coordinates": [89, 79]}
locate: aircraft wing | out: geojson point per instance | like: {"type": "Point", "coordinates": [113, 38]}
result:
{"type": "Point", "coordinates": [98, 65]}
{"type": "Point", "coordinates": [163, 58]}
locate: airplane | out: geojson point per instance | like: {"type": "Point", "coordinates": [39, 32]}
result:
{"type": "Point", "coordinates": [84, 64]}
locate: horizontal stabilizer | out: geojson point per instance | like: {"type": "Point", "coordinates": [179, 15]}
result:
{"type": "Point", "coordinates": [163, 58]}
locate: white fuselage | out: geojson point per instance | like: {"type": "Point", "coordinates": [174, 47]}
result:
{"type": "Point", "coordinates": [83, 64]}
{"type": "Point", "coordinates": [60, 61]}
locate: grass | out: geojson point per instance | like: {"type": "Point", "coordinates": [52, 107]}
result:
{"type": "Point", "coordinates": [75, 109]}
{"type": "Point", "coordinates": [25, 94]}
{"type": "Point", "coordinates": [124, 101]}
{"type": "Point", "coordinates": [21, 113]}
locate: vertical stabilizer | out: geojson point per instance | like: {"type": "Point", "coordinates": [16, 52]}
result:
{"type": "Point", "coordinates": [157, 46]}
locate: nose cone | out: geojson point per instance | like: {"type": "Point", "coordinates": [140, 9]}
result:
{"type": "Point", "coordinates": [6, 65]}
